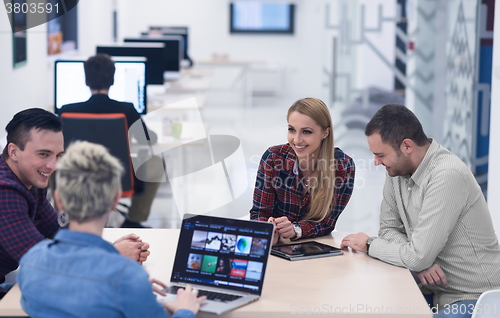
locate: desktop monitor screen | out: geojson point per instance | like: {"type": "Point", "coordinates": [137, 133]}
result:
{"type": "Point", "coordinates": [129, 83]}
{"type": "Point", "coordinates": [171, 30]}
{"type": "Point", "coordinates": [261, 17]}
{"type": "Point", "coordinates": [174, 47]}
{"type": "Point", "coordinates": [153, 52]}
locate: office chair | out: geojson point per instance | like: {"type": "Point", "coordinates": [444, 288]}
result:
{"type": "Point", "coordinates": [488, 305]}
{"type": "Point", "coordinates": [109, 130]}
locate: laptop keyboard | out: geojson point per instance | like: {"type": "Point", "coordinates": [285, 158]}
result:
{"type": "Point", "coordinates": [210, 294]}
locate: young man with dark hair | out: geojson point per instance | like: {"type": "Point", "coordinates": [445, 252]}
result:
{"type": "Point", "coordinates": [394, 124]}
{"type": "Point", "coordinates": [99, 72]}
{"type": "Point", "coordinates": [34, 145]}
{"type": "Point", "coordinates": [434, 219]}
{"type": "Point", "coordinates": [99, 77]}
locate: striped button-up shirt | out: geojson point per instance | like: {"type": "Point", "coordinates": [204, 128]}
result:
{"type": "Point", "coordinates": [279, 191]}
{"type": "Point", "coordinates": [439, 215]}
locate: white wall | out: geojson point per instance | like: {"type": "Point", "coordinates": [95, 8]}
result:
{"type": "Point", "coordinates": [304, 54]}
{"type": "Point", "coordinates": [95, 25]}
{"type": "Point", "coordinates": [494, 155]}
{"type": "Point", "coordinates": [25, 86]}
{"type": "Point", "coordinates": [31, 85]}
{"type": "Point", "coordinates": [301, 53]}
{"type": "Point", "coordinates": [373, 72]}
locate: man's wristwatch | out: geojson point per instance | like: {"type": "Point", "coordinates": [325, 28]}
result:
{"type": "Point", "coordinates": [369, 242]}
{"type": "Point", "coordinates": [298, 231]}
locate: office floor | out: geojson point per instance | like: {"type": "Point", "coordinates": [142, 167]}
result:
{"type": "Point", "coordinates": [263, 125]}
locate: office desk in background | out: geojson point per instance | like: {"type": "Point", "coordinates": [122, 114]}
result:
{"type": "Point", "coordinates": [351, 285]}
{"type": "Point", "coordinates": [191, 81]}
{"type": "Point", "coordinates": [258, 77]}
{"type": "Point", "coordinates": [171, 101]}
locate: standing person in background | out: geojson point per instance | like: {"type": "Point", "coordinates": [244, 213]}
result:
{"type": "Point", "coordinates": [303, 186]}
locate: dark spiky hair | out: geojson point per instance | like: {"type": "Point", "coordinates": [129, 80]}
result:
{"type": "Point", "coordinates": [18, 129]}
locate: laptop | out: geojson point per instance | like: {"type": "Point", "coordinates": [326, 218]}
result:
{"type": "Point", "coordinates": [225, 259]}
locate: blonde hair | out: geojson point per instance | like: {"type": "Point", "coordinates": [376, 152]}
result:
{"type": "Point", "coordinates": [88, 179]}
{"type": "Point", "coordinates": [322, 193]}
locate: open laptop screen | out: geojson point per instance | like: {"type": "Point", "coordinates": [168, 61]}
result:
{"type": "Point", "coordinates": [222, 252]}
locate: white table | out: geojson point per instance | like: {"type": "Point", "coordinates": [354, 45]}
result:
{"type": "Point", "coordinates": [351, 285]}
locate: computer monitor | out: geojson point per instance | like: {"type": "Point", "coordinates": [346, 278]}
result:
{"type": "Point", "coordinates": [153, 52]}
{"type": "Point", "coordinates": [129, 82]}
{"type": "Point", "coordinates": [173, 30]}
{"type": "Point", "coordinates": [174, 51]}
{"type": "Point", "coordinates": [261, 17]}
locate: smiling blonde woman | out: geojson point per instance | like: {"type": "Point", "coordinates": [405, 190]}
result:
{"type": "Point", "coordinates": [303, 186]}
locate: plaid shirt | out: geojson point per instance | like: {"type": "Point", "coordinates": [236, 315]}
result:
{"type": "Point", "coordinates": [279, 192]}
{"type": "Point", "coordinates": [26, 218]}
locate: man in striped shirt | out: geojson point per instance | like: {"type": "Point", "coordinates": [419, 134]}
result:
{"type": "Point", "coordinates": [434, 219]}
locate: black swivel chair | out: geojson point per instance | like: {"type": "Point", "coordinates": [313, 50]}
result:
{"type": "Point", "coordinates": [109, 130]}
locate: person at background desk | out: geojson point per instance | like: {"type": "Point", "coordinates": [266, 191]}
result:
{"type": "Point", "coordinates": [304, 185]}
{"type": "Point", "coordinates": [78, 273]}
{"type": "Point", "coordinates": [434, 219]}
{"type": "Point", "coordinates": [34, 145]}
{"type": "Point", "coordinates": [99, 77]}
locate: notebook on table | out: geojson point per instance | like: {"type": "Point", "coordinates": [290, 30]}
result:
{"type": "Point", "coordinates": [305, 250]}
{"type": "Point", "coordinates": [225, 259]}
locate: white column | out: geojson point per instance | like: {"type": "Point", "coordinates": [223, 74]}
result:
{"type": "Point", "coordinates": [494, 156]}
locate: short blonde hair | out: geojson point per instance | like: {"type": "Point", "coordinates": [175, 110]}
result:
{"type": "Point", "coordinates": [88, 178]}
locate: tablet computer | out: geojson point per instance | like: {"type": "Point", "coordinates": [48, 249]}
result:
{"type": "Point", "coordinates": [305, 250]}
